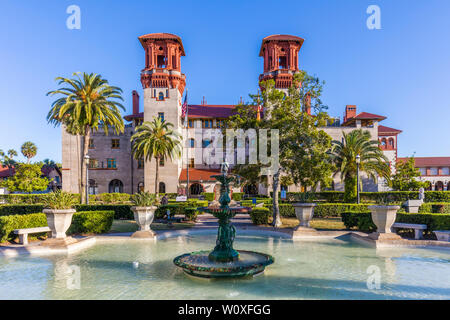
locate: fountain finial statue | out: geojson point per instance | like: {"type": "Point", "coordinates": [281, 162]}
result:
{"type": "Point", "coordinates": [223, 251]}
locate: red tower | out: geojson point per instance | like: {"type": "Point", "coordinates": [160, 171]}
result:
{"type": "Point", "coordinates": [280, 54]}
{"type": "Point", "coordinates": [162, 61]}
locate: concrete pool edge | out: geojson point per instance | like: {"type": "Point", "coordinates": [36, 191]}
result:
{"type": "Point", "coordinates": [36, 249]}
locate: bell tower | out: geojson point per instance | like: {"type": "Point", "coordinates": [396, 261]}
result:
{"type": "Point", "coordinates": [280, 53]}
{"type": "Point", "coordinates": [163, 85]}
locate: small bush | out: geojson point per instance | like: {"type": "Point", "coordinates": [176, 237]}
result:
{"type": "Point", "coordinates": [209, 196]}
{"type": "Point", "coordinates": [237, 196]}
{"type": "Point", "coordinates": [11, 222]}
{"type": "Point", "coordinates": [436, 207]}
{"type": "Point", "coordinates": [190, 214]}
{"type": "Point", "coordinates": [91, 222]}
{"type": "Point", "coordinates": [260, 216]}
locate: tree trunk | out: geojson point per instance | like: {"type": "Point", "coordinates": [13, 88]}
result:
{"type": "Point", "coordinates": [87, 134]}
{"type": "Point", "coordinates": [276, 208]}
{"type": "Point", "coordinates": [157, 177]}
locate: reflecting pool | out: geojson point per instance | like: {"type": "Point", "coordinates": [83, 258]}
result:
{"type": "Point", "coordinates": [328, 269]}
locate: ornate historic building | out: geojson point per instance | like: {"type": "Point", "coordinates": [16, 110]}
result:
{"type": "Point", "coordinates": [112, 167]}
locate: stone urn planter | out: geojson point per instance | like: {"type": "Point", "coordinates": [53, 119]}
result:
{"type": "Point", "coordinates": [59, 220]}
{"type": "Point", "coordinates": [144, 218]}
{"type": "Point", "coordinates": [384, 217]}
{"type": "Point", "coordinates": [304, 213]}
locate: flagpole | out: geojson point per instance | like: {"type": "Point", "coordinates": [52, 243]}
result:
{"type": "Point", "coordinates": [186, 122]}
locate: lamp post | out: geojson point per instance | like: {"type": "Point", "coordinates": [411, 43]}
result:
{"type": "Point", "coordinates": [87, 178]}
{"type": "Point", "coordinates": [358, 161]}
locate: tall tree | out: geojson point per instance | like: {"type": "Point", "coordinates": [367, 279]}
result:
{"type": "Point", "coordinates": [406, 177]}
{"type": "Point", "coordinates": [27, 179]}
{"type": "Point", "coordinates": [156, 140]}
{"type": "Point", "coordinates": [88, 103]}
{"type": "Point", "coordinates": [288, 113]}
{"type": "Point", "coordinates": [373, 162]}
{"type": "Point", "coordinates": [28, 150]}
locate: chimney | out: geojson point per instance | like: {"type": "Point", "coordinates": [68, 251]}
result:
{"type": "Point", "coordinates": [135, 102]}
{"type": "Point", "coordinates": [203, 101]}
{"type": "Point", "coordinates": [350, 112]}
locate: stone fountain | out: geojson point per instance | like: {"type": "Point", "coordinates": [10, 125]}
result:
{"type": "Point", "coordinates": [224, 260]}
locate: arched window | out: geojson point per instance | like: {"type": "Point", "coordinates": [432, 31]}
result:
{"type": "Point", "coordinates": [196, 189]}
{"type": "Point", "coordinates": [115, 186]}
{"type": "Point", "coordinates": [161, 96]}
{"type": "Point", "coordinates": [383, 142]}
{"type": "Point", "coordinates": [439, 186]}
{"type": "Point", "coordinates": [140, 187]}
{"type": "Point", "coordinates": [391, 143]}
{"type": "Point", "coordinates": [162, 187]}
{"type": "Point", "coordinates": [93, 187]}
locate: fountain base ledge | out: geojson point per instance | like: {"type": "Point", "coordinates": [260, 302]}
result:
{"type": "Point", "coordinates": [198, 264]}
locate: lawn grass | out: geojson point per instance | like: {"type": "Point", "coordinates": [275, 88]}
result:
{"type": "Point", "coordinates": [319, 223]}
{"type": "Point", "coordinates": [123, 226]}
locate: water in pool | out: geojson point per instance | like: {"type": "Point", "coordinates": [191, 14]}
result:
{"type": "Point", "coordinates": [332, 269]}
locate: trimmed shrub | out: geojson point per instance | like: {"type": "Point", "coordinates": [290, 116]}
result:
{"type": "Point", "coordinates": [435, 207]}
{"type": "Point", "coordinates": [324, 210]}
{"type": "Point", "coordinates": [209, 196]}
{"type": "Point", "coordinates": [177, 208]}
{"type": "Point", "coordinates": [29, 198]}
{"type": "Point", "coordinates": [190, 213]}
{"type": "Point", "coordinates": [113, 198]}
{"type": "Point", "coordinates": [91, 222]}
{"type": "Point", "coordinates": [13, 209]}
{"type": "Point", "coordinates": [260, 216]}
{"type": "Point", "coordinates": [11, 222]}
{"type": "Point", "coordinates": [237, 196]}
{"type": "Point", "coordinates": [121, 211]}
{"type": "Point", "coordinates": [363, 221]}
{"type": "Point", "coordinates": [82, 222]}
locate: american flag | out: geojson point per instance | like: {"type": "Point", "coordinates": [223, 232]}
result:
{"type": "Point", "coordinates": [184, 107]}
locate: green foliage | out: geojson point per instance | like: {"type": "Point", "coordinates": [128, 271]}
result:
{"type": "Point", "coordinates": [306, 197]}
{"type": "Point", "coordinates": [91, 222]}
{"type": "Point", "coordinates": [156, 140]}
{"type": "Point", "coordinates": [7, 159]}
{"type": "Point", "coordinates": [9, 223]}
{"type": "Point", "coordinates": [372, 160]}
{"type": "Point", "coordinates": [26, 179]}
{"type": "Point", "coordinates": [82, 222]}
{"type": "Point", "coordinates": [435, 207]}
{"type": "Point", "coordinates": [363, 220]}
{"type": "Point", "coordinates": [28, 150]}
{"type": "Point", "coordinates": [143, 199]}
{"type": "Point", "coordinates": [260, 216]}
{"type": "Point", "coordinates": [405, 177]}
{"type": "Point", "coordinates": [12, 209]}
{"type": "Point", "coordinates": [175, 209]}
{"type": "Point", "coordinates": [237, 196]}
{"type": "Point", "coordinates": [325, 210]}
{"type": "Point", "coordinates": [59, 200]}
{"type": "Point", "coordinates": [121, 211]}
{"type": "Point", "coordinates": [190, 213]}
{"type": "Point", "coordinates": [112, 198]}
{"type": "Point", "coordinates": [209, 196]}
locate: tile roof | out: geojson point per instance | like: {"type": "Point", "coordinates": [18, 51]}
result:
{"type": "Point", "coordinates": [198, 174]}
{"type": "Point", "coordinates": [387, 130]}
{"type": "Point", "coordinates": [429, 161]}
{"type": "Point", "coordinates": [5, 172]}
{"type": "Point", "coordinates": [368, 116]}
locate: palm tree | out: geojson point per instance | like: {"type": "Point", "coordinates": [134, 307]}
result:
{"type": "Point", "coordinates": [28, 150]}
{"type": "Point", "coordinates": [373, 162]}
{"type": "Point", "coordinates": [7, 160]}
{"type": "Point", "coordinates": [156, 140]}
{"type": "Point", "coordinates": [86, 105]}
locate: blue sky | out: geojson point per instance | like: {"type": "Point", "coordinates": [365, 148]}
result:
{"type": "Point", "coordinates": [401, 71]}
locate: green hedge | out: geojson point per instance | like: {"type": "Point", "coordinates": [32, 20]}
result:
{"type": "Point", "coordinates": [190, 214]}
{"type": "Point", "coordinates": [435, 207]}
{"type": "Point", "coordinates": [322, 210]}
{"type": "Point", "coordinates": [82, 222]}
{"type": "Point", "coordinates": [14, 209]}
{"type": "Point", "coordinates": [209, 196]}
{"type": "Point", "coordinates": [363, 221]}
{"type": "Point", "coordinates": [260, 216]}
{"type": "Point", "coordinates": [237, 196]}
{"type": "Point", "coordinates": [121, 211]}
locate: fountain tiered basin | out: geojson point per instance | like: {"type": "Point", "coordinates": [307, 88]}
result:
{"type": "Point", "coordinates": [224, 261]}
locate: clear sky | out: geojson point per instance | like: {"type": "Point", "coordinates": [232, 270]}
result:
{"type": "Point", "coordinates": [401, 71]}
